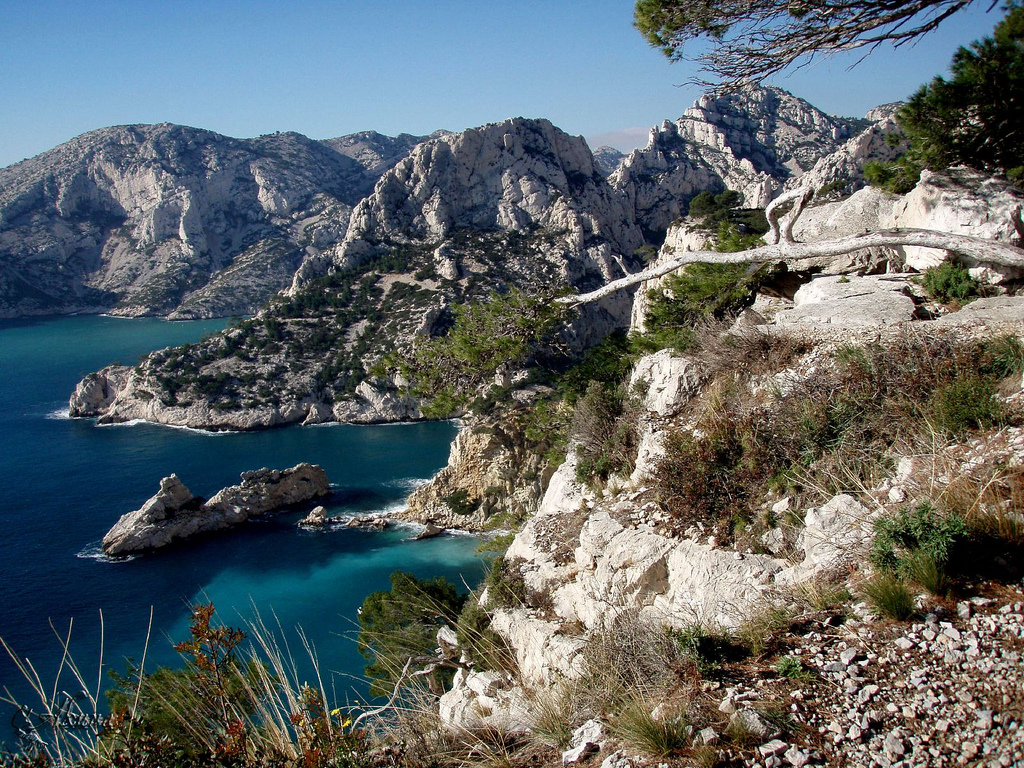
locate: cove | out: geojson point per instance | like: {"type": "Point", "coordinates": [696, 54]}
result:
{"type": "Point", "coordinates": [63, 483]}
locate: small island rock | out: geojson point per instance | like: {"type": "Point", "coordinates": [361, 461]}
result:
{"type": "Point", "coordinates": [429, 531]}
{"type": "Point", "coordinates": [317, 518]}
{"type": "Point", "coordinates": [174, 513]}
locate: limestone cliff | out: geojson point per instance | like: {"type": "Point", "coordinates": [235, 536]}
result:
{"type": "Point", "coordinates": [171, 220]}
{"type": "Point", "coordinates": [594, 555]}
{"type": "Point", "coordinates": [492, 480]}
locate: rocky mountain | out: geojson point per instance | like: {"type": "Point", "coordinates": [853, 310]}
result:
{"type": "Point", "coordinates": [511, 205]}
{"type": "Point", "coordinates": [607, 159]}
{"type": "Point", "coordinates": [751, 141]}
{"type": "Point", "coordinates": [518, 204]}
{"type": "Point", "coordinates": [375, 151]}
{"type": "Point", "coordinates": [515, 176]}
{"type": "Point", "coordinates": [171, 220]}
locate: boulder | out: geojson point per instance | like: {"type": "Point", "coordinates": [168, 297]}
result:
{"type": "Point", "coordinates": [965, 202]}
{"type": "Point", "coordinates": [585, 741]}
{"type": "Point", "coordinates": [174, 513]}
{"type": "Point", "coordinates": [429, 531]}
{"type": "Point", "coordinates": [715, 587]}
{"type": "Point", "coordinates": [544, 655]}
{"type": "Point", "coordinates": [317, 518]}
{"type": "Point", "coordinates": [478, 699]}
{"type": "Point", "coordinates": [851, 302]}
{"type": "Point", "coordinates": [668, 381]}
{"type": "Point", "coordinates": [835, 533]}
{"type": "Point", "coordinates": [617, 567]}
{"type": "Point", "coordinates": [861, 212]}
{"type": "Point", "coordinates": [993, 310]}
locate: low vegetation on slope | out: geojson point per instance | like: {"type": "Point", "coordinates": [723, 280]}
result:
{"type": "Point", "coordinates": [315, 345]}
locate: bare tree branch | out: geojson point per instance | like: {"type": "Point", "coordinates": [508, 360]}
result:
{"type": "Point", "coordinates": [427, 663]}
{"type": "Point", "coordinates": [974, 247]}
{"type": "Point", "coordinates": [752, 40]}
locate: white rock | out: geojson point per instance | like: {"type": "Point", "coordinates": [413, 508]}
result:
{"type": "Point", "coordinates": [710, 586]}
{"type": "Point", "coordinates": [850, 302]}
{"type": "Point", "coordinates": [668, 381]}
{"type": "Point", "coordinates": [961, 201]}
{"type": "Point", "coordinates": [835, 532]}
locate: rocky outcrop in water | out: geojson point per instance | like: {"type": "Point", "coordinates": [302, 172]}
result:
{"type": "Point", "coordinates": [174, 513]}
{"type": "Point", "coordinates": [171, 220]}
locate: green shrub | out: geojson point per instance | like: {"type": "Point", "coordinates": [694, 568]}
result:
{"type": "Point", "coordinates": [919, 528]}
{"type": "Point", "coordinates": [1007, 356]}
{"type": "Point", "coordinates": [604, 430]}
{"type": "Point", "coordinates": [506, 330]}
{"type": "Point", "coordinates": [608, 362]}
{"type": "Point", "coordinates": [730, 238]}
{"type": "Point", "coordinates": [950, 282]}
{"type": "Point", "coordinates": [889, 597]}
{"type": "Point", "coordinates": [898, 177]}
{"type": "Point", "coordinates": [657, 738]}
{"type": "Point", "coordinates": [965, 404]}
{"type": "Point", "coordinates": [485, 647]}
{"type": "Point", "coordinates": [505, 585]}
{"type": "Point", "coordinates": [792, 668]}
{"type": "Point", "coordinates": [917, 544]}
{"type": "Point", "coordinates": [403, 622]}
{"type": "Point", "coordinates": [704, 649]}
{"type": "Point", "coordinates": [698, 293]}
{"type": "Point", "coordinates": [460, 502]}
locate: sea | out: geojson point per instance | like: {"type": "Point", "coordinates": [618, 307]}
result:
{"type": "Point", "coordinates": [64, 482]}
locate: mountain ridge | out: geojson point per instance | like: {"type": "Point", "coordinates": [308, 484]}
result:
{"type": "Point", "coordinates": [135, 219]}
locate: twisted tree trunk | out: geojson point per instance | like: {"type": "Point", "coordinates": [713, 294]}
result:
{"type": "Point", "coordinates": [785, 248]}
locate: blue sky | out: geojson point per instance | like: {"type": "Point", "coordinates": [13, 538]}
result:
{"type": "Point", "coordinates": [330, 68]}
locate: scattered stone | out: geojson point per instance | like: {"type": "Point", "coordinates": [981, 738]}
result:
{"type": "Point", "coordinates": [617, 759]}
{"type": "Point", "coordinates": [773, 747]}
{"type": "Point", "coordinates": [797, 757]}
{"type": "Point", "coordinates": [708, 736]}
{"type": "Point", "coordinates": [849, 656]}
{"type": "Point", "coordinates": [747, 721]}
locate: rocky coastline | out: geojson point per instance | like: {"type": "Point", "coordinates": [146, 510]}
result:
{"type": "Point", "coordinates": [174, 513]}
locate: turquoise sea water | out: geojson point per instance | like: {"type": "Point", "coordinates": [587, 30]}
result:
{"type": "Point", "coordinates": [64, 482]}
